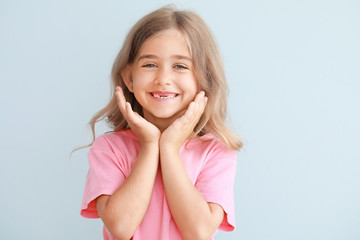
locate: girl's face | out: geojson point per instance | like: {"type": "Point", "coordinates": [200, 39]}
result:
{"type": "Point", "coordinates": [162, 77]}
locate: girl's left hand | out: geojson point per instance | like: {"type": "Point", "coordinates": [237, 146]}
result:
{"type": "Point", "coordinates": [179, 131]}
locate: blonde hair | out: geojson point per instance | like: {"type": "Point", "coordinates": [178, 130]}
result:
{"type": "Point", "coordinates": [208, 70]}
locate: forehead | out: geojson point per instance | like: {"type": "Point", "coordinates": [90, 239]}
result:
{"type": "Point", "coordinates": [168, 42]}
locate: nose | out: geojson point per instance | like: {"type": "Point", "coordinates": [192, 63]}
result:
{"type": "Point", "coordinates": [163, 77]}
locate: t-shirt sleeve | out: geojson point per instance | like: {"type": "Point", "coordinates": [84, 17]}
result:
{"type": "Point", "coordinates": [216, 183]}
{"type": "Point", "coordinates": [105, 175]}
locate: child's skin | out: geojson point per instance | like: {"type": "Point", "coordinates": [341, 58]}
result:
{"type": "Point", "coordinates": [162, 67]}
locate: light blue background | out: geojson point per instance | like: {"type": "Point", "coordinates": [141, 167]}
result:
{"type": "Point", "coordinates": [293, 70]}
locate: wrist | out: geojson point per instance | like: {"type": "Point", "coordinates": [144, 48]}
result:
{"type": "Point", "coordinates": [150, 150]}
{"type": "Point", "coordinates": [166, 143]}
{"type": "Point", "coordinates": [149, 144]}
{"type": "Point", "coordinates": [167, 148]}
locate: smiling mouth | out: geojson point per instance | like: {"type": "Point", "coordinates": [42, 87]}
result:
{"type": "Point", "coordinates": [164, 95]}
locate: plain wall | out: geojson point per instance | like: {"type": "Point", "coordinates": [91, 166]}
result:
{"type": "Point", "coordinates": [293, 72]}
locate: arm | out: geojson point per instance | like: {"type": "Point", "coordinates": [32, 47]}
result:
{"type": "Point", "coordinates": [123, 211]}
{"type": "Point", "coordinates": [195, 218]}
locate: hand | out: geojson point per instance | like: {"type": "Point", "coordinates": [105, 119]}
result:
{"type": "Point", "coordinates": [144, 130]}
{"type": "Point", "coordinates": [179, 131]}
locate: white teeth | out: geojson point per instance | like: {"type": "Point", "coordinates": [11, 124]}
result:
{"type": "Point", "coordinates": [163, 97]}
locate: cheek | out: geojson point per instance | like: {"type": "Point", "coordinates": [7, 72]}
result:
{"type": "Point", "coordinates": [137, 80]}
{"type": "Point", "coordinates": [193, 86]}
{"type": "Point", "coordinates": [141, 79]}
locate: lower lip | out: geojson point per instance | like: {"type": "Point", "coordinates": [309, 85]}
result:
{"type": "Point", "coordinates": [163, 99]}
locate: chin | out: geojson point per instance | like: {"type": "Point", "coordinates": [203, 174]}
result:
{"type": "Point", "coordinates": [164, 116]}
{"type": "Point", "coordinates": [168, 115]}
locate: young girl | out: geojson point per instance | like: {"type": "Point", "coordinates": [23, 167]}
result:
{"type": "Point", "coordinates": [167, 170]}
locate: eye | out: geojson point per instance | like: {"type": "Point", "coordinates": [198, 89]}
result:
{"type": "Point", "coordinates": [179, 66]}
{"type": "Point", "coordinates": [149, 65]}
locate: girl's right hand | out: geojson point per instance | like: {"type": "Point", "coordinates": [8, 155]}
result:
{"type": "Point", "coordinates": [145, 131]}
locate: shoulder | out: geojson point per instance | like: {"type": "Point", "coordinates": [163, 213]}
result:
{"type": "Point", "coordinates": [120, 147]}
{"type": "Point", "coordinates": [212, 147]}
{"type": "Point", "coordinates": [114, 139]}
{"type": "Point", "coordinates": [207, 152]}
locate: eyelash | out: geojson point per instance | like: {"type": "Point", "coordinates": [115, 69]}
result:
{"type": "Point", "coordinates": [149, 65]}
{"type": "Point", "coordinates": [177, 66]}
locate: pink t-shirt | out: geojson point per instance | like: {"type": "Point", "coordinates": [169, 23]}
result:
{"type": "Point", "coordinates": [210, 166]}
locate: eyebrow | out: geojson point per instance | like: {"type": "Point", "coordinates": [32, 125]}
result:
{"type": "Point", "coordinates": [152, 56]}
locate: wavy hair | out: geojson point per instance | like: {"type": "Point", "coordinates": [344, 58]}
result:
{"type": "Point", "coordinates": [208, 70]}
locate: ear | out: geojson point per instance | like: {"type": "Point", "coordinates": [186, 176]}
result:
{"type": "Point", "coordinates": [127, 77]}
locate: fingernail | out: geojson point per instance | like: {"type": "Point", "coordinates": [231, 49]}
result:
{"type": "Point", "coordinates": [206, 99]}
{"type": "Point", "coordinates": [202, 93]}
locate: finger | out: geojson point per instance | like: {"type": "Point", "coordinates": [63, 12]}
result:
{"type": "Point", "coordinates": [199, 108]}
{"type": "Point", "coordinates": [129, 111]}
{"type": "Point", "coordinates": [199, 96]}
{"type": "Point", "coordinates": [126, 109]}
{"type": "Point", "coordinates": [203, 102]}
{"type": "Point", "coordinates": [120, 100]}
{"type": "Point", "coordinates": [191, 116]}
{"type": "Point", "coordinates": [133, 117]}
{"type": "Point", "coordinates": [200, 101]}
{"type": "Point", "coordinates": [193, 113]}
